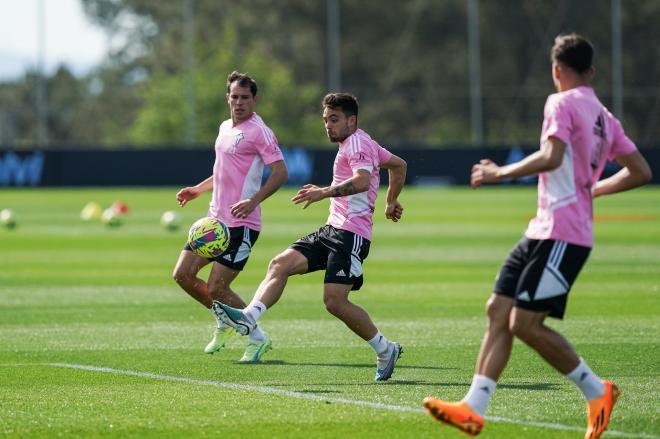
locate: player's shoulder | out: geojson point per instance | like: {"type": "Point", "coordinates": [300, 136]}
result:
{"type": "Point", "coordinates": [256, 121]}
{"type": "Point", "coordinates": [557, 99]}
{"type": "Point", "coordinates": [225, 124]}
{"type": "Point", "coordinates": [560, 102]}
{"type": "Point", "coordinates": [360, 141]}
{"type": "Point", "coordinates": [259, 130]}
{"type": "Point", "coordinates": [573, 96]}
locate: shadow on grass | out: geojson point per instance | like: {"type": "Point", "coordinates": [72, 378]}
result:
{"type": "Point", "coordinates": [356, 366]}
{"type": "Point", "coordinates": [349, 365]}
{"type": "Point", "coordinates": [394, 381]}
{"type": "Point", "coordinates": [541, 387]}
{"type": "Point", "coordinates": [523, 386]}
{"type": "Point", "coordinates": [317, 391]}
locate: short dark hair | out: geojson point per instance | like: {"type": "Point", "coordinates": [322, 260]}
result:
{"type": "Point", "coordinates": [243, 81]}
{"type": "Point", "coordinates": [344, 102]}
{"type": "Point", "coordinates": [574, 51]}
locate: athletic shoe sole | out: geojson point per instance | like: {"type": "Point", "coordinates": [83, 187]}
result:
{"type": "Point", "coordinates": [469, 427]}
{"type": "Point", "coordinates": [225, 317]}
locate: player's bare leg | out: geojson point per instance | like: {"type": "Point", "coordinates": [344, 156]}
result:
{"type": "Point", "coordinates": [335, 298]}
{"type": "Point", "coordinates": [286, 264]}
{"type": "Point", "coordinates": [244, 318]}
{"type": "Point", "coordinates": [185, 274]}
{"type": "Point", "coordinates": [468, 414]}
{"type": "Point", "coordinates": [529, 327]}
{"type": "Point", "coordinates": [497, 342]}
{"type": "Point", "coordinates": [554, 348]}
{"type": "Point", "coordinates": [219, 285]}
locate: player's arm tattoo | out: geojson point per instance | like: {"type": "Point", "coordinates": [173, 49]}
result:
{"type": "Point", "coordinates": [343, 189]}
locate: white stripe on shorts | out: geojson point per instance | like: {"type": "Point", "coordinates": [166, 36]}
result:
{"type": "Point", "coordinates": [244, 250]}
{"type": "Point", "coordinates": [552, 283]}
{"type": "Point", "coordinates": [356, 264]}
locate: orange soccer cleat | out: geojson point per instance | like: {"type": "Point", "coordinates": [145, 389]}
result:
{"type": "Point", "coordinates": [458, 414]}
{"type": "Point", "coordinates": [599, 411]}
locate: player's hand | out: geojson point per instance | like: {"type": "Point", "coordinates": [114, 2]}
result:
{"type": "Point", "coordinates": [393, 211]}
{"type": "Point", "coordinates": [308, 194]}
{"type": "Point", "coordinates": [484, 172]}
{"type": "Point", "coordinates": [186, 194]}
{"type": "Point", "coordinates": [243, 208]}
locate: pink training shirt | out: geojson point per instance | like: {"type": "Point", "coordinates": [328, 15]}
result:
{"type": "Point", "coordinates": [241, 152]}
{"type": "Point", "coordinates": [592, 135]}
{"type": "Point", "coordinates": [355, 212]}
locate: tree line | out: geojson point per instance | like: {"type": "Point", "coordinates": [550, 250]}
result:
{"type": "Point", "coordinates": [407, 61]}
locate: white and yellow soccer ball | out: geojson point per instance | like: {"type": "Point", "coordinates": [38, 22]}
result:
{"type": "Point", "coordinates": [91, 211]}
{"type": "Point", "coordinates": [7, 218]}
{"type": "Point", "coordinates": [208, 237]}
{"type": "Point", "coordinates": [170, 220]}
{"type": "Point", "coordinates": [110, 218]}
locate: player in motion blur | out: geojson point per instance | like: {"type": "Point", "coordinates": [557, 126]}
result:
{"type": "Point", "coordinates": [341, 246]}
{"type": "Point", "coordinates": [579, 134]}
{"type": "Point", "coordinates": [243, 146]}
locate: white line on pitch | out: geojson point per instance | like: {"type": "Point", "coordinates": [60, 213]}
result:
{"type": "Point", "coordinates": [299, 395]}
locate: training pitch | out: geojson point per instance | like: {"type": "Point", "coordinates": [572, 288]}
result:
{"type": "Point", "coordinates": [96, 339]}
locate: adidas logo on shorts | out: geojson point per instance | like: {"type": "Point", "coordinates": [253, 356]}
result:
{"type": "Point", "coordinates": [341, 273]}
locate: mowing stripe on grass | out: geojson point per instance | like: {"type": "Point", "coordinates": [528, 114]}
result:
{"type": "Point", "coordinates": [313, 397]}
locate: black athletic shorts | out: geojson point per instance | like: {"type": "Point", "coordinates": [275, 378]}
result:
{"type": "Point", "coordinates": [538, 274]}
{"type": "Point", "coordinates": [241, 240]}
{"type": "Point", "coordinates": [339, 252]}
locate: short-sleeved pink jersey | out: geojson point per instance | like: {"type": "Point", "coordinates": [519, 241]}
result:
{"type": "Point", "coordinates": [592, 135]}
{"type": "Point", "coordinates": [241, 152]}
{"type": "Point", "coordinates": [355, 212]}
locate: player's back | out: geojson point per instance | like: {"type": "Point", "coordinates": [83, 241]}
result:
{"type": "Point", "coordinates": [590, 131]}
{"type": "Point", "coordinates": [592, 135]}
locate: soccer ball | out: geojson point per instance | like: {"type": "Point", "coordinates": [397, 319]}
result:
{"type": "Point", "coordinates": [170, 220]}
{"type": "Point", "coordinates": [7, 218]}
{"type": "Point", "coordinates": [208, 237]}
{"type": "Point", "coordinates": [91, 211]}
{"type": "Point", "coordinates": [110, 218]}
{"type": "Point", "coordinates": [120, 207]}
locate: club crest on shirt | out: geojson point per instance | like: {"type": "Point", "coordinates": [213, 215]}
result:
{"type": "Point", "coordinates": [229, 143]}
{"type": "Point", "coordinates": [237, 139]}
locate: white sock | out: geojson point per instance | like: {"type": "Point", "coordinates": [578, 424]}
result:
{"type": "Point", "coordinates": [588, 382]}
{"type": "Point", "coordinates": [255, 309]}
{"type": "Point", "coordinates": [257, 334]}
{"type": "Point", "coordinates": [480, 392]}
{"type": "Point", "coordinates": [379, 343]}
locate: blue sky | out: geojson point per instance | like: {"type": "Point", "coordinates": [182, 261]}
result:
{"type": "Point", "coordinates": [70, 38]}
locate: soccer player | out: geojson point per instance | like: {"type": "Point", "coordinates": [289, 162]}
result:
{"type": "Point", "coordinates": [341, 246]}
{"type": "Point", "coordinates": [243, 146]}
{"type": "Point", "coordinates": [579, 134]}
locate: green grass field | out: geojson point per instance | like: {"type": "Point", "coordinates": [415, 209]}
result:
{"type": "Point", "coordinates": [76, 294]}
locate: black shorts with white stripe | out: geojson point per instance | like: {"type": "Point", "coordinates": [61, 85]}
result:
{"type": "Point", "coordinates": [241, 240]}
{"type": "Point", "coordinates": [339, 252]}
{"type": "Point", "coordinates": [538, 274]}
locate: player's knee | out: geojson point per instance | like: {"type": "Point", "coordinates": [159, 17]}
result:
{"type": "Point", "coordinates": [277, 266]}
{"type": "Point", "coordinates": [498, 312]}
{"type": "Point", "coordinates": [180, 276]}
{"type": "Point", "coordinates": [333, 305]}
